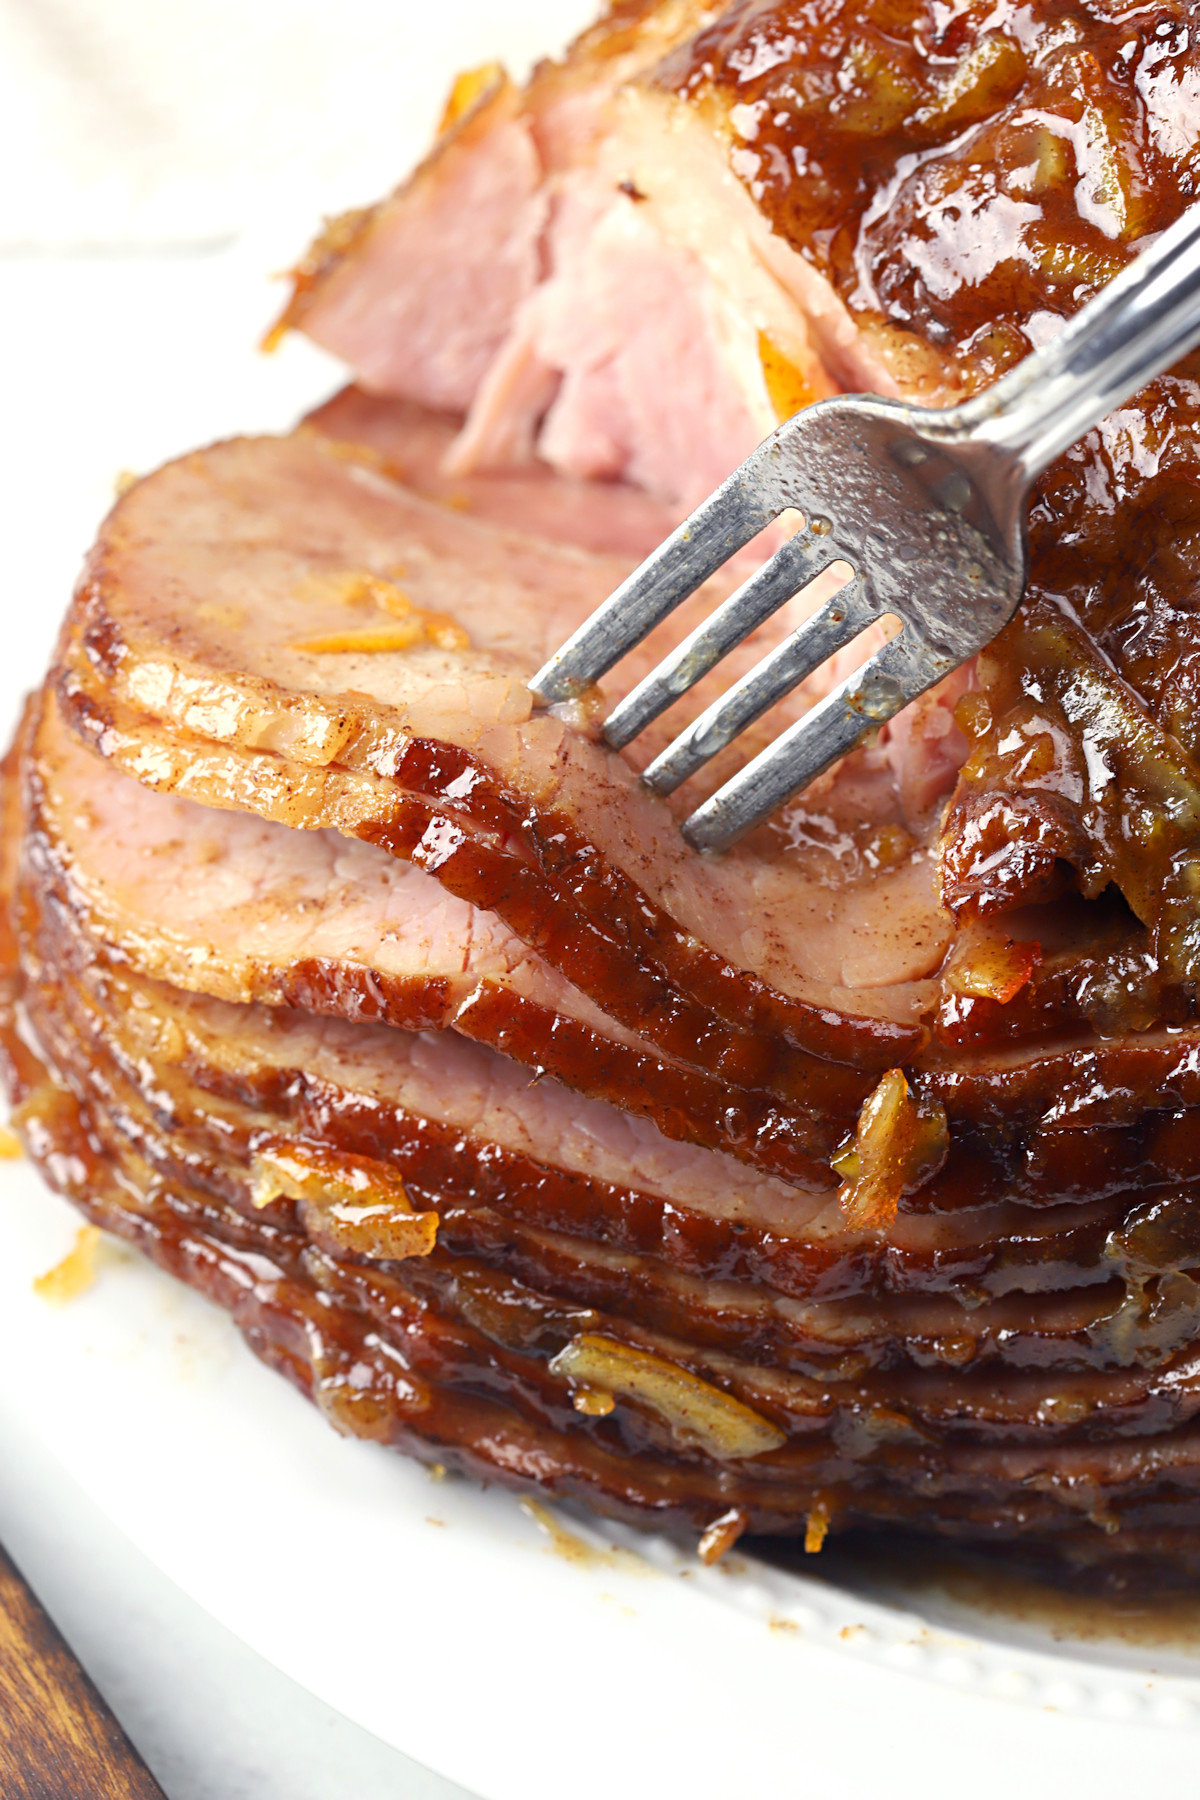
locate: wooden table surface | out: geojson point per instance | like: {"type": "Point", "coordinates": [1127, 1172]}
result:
{"type": "Point", "coordinates": [57, 1736]}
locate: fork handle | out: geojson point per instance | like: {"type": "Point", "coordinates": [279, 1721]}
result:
{"type": "Point", "coordinates": [1142, 322]}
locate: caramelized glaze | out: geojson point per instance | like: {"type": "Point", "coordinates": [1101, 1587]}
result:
{"type": "Point", "coordinates": [968, 174]}
{"type": "Point", "coordinates": [967, 177]}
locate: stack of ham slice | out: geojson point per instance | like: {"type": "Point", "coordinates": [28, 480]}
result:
{"type": "Point", "coordinates": [850, 1177]}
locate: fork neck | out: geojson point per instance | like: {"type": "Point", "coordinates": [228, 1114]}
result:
{"type": "Point", "coordinates": [1142, 322]}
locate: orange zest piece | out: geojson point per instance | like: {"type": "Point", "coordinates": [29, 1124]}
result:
{"type": "Point", "coordinates": [415, 624]}
{"type": "Point", "coordinates": [816, 1528]}
{"type": "Point", "coordinates": [594, 1403]}
{"type": "Point", "coordinates": [76, 1272]}
{"type": "Point", "coordinates": [467, 90]}
{"type": "Point", "coordinates": [371, 641]}
{"type": "Point", "coordinates": [356, 1203]}
{"type": "Point", "coordinates": [720, 1537]}
{"type": "Point", "coordinates": [901, 1139]}
{"type": "Point", "coordinates": [994, 971]}
{"type": "Point", "coordinates": [443, 632]}
{"type": "Point", "coordinates": [355, 587]}
{"type": "Point", "coordinates": [788, 387]}
{"type": "Point", "coordinates": [697, 1413]}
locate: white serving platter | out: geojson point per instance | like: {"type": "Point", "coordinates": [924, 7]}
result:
{"type": "Point", "coordinates": [517, 1661]}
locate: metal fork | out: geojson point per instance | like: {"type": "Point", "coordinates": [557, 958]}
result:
{"type": "Point", "coordinates": [928, 509]}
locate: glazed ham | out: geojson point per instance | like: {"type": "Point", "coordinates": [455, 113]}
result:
{"type": "Point", "coordinates": [847, 1179]}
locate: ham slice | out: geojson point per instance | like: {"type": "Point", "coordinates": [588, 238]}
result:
{"type": "Point", "coordinates": [280, 1059]}
{"type": "Point", "coordinates": [268, 914]}
{"type": "Point", "coordinates": [210, 577]}
{"type": "Point", "coordinates": [218, 1077]}
{"type": "Point", "coordinates": [304, 918]}
{"type": "Point", "coordinates": [431, 1337]}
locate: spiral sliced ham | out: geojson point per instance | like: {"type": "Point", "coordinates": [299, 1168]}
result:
{"type": "Point", "coordinates": [852, 1177]}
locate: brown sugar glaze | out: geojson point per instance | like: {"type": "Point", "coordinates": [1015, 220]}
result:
{"type": "Point", "coordinates": [968, 176]}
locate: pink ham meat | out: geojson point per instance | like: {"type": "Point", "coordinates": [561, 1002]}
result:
{"type": "Point", "coordinates": [612, 301]}
{"type": "Point", "coordinates": [567, 258]}
{"type": "Point", "coordinates": [411, 443]}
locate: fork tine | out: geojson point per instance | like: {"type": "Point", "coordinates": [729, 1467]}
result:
{"type": "Point", "coordinates": [727, 520]}
{"type": "Point", "coordinates": [867, 698]}
{"type": "Point", "coordinates": [792, 567]}
{"type": "Point", "coordinates": [837, 623]}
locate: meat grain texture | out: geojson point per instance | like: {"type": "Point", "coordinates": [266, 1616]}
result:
{"type": "Point", "coordinates": [848, 1179]}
